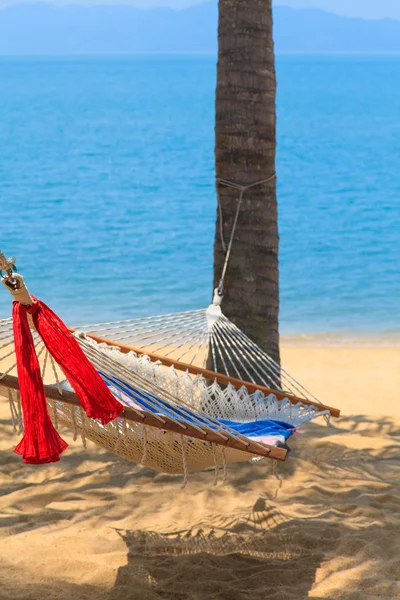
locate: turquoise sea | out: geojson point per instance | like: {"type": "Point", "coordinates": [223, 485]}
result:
{"type": "Point", "coordinates": [107, 193]}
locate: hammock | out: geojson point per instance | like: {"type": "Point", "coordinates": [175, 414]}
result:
{"type": "Point", "coordinates": [178, 416]}
{"type": "Point", "coordinates": [211, 352]}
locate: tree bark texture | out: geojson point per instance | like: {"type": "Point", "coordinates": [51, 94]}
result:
{"type": "Point", "coordinates": [245, 134]}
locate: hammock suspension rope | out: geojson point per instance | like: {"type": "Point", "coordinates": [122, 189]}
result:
{"type": "Point", "coordinates": [227, 249]}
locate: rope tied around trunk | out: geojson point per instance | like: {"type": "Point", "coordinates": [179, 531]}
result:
{"type": "Point", "coordinates": [227, 249]}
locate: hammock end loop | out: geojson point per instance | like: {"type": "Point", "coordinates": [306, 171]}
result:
{"type": "Point", "coordinates": [15, 284]}
{"type": "Point", "coordinates": [218, 294]}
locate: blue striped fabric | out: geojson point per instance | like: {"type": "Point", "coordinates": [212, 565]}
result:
{"type": "Point", "coordinates": [252, 429]}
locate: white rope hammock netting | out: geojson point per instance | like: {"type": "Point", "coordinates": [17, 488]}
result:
{"type": "Point", "coordinates": [206, 338]}
{"type": "Point", "coordinates": [154, 365]}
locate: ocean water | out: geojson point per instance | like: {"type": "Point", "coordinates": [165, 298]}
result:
{"type": "Point", "coordinates": [107, 193]}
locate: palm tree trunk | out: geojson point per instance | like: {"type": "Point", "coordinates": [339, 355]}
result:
{"type": "Point", "coordinates": [245, 154]}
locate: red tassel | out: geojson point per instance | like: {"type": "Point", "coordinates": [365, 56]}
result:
{"type": "Point", "coordinates": [41, 442]}
{"type": "Point", "coordinates": [95, 397]}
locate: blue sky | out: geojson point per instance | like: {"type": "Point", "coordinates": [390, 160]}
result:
{"type": "Point", "coordinates": [370, 9]}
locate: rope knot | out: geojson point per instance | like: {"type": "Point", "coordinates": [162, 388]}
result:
{"type": "Point", "coordinates": [242, 189]}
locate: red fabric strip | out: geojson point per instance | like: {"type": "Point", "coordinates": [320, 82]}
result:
{"type": "Point", "coordinates": [95, 397]}
{"type": "Point", "coordinates": [41, 442]}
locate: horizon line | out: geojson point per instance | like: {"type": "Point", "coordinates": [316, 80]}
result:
{"type": "Point", "coordinates": [111, 4]}
{"type": "Point", "coordinates": [205, 53]}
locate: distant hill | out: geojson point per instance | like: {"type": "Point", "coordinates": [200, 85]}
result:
{"type": "Point", "coordinates": [47, 29]}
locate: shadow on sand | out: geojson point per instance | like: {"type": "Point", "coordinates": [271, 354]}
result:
{"type": "Point", "coordinates": [264, 553]}
{"type": "Point", "coordinates": [225, 558]}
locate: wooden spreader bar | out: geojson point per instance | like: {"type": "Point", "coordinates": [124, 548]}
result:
{"type": "Point", "coordinates": [212, 375]}
{"type": "Point", "coordinates": [151, 420]}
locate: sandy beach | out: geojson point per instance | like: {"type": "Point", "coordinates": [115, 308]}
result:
{"type": "Point", "coordinates": [96, 527]}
